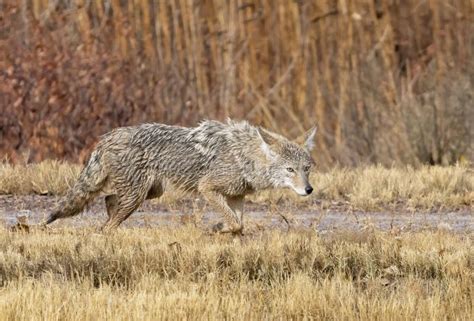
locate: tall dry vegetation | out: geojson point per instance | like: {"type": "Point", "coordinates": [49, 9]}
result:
{"type": "Point", "coordinates": [182, 274]}
{"type": "Point", "coordinates": [386, 81]}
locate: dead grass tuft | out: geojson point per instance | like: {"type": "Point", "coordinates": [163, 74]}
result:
{"type": "Point", "coordinates": [375, 186]}
{"type": "Point", "coordinates": [48, 177]}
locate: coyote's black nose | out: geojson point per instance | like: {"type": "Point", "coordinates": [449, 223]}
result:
{"type": "Point", "coordinates": [308, 190]}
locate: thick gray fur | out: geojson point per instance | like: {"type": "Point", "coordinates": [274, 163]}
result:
{"type": "Point", "coordinates": [222, 161]}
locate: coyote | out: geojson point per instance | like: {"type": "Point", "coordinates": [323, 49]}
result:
{"type": "Point", "coordinates": [222, 161]}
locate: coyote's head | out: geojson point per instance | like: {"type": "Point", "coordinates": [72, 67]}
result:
{"type": "Point", "coordinates": [289, 163]}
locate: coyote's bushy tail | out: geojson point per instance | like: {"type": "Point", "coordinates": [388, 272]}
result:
{"type": "Point", "coordinates": [90, 182]}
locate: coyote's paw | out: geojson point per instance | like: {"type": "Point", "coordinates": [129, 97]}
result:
{"type": "Point", "coordinates": [223, 228]}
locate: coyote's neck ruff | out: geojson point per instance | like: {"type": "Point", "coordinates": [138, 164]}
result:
{"type": "Point", "coordinates": [222, 161]}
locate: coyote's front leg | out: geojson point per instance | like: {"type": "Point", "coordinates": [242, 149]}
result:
{"type": "Point", "coordinates": [230, 207]}
{"type": "Point", "coordinates": [236, 203]}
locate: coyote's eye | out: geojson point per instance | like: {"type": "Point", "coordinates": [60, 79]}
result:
{"type": "Point", "coordinates": [291, 170]}
{"type": "Point", "coordinates": [307, 168]}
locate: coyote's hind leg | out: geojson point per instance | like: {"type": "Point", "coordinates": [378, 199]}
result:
{"type": "Point", "coordinates": [121, 207]}
{"type": "Point", "coordinates": [111, 203]}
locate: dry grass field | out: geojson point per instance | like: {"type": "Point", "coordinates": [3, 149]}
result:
{"type": "Point", "coordinates": [185, 274]}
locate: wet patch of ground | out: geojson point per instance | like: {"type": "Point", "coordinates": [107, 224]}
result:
{"type": "Point", "coordinates": [35, 208]}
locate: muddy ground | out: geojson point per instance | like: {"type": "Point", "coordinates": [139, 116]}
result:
{"type": "Point", "coordinates": [322, 218]}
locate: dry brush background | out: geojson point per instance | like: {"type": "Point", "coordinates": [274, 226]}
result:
{"type": "Point", "coordinates": [386, 80]}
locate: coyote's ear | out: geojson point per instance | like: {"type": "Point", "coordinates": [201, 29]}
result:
{"type": "Point", "coordinates": [266, 141]}
{"type": "Point", "coordinates": [307, 140]}
{"type": "Point", "coordinates": [267, 137]}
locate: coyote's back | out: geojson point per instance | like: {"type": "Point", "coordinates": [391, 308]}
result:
{"type": "Point", "coordinates": [222, 161]}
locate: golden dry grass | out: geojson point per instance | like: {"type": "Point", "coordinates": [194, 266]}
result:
{"type": "Point", "coordinates": [154, 274]}
{"type": "Point", "coordinates": [48, 177]}
{"type": "Point", "coordinates": [366, 188]}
